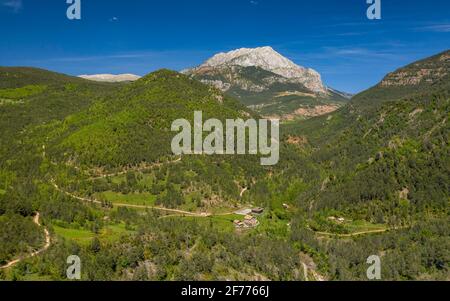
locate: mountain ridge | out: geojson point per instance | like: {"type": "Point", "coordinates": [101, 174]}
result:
{"type": "Point", "coordinates": [423, 76]}
{"type": "Point", "coordinates": [269, 83]}
{"type": "Point", "coordinates": [268, 59]}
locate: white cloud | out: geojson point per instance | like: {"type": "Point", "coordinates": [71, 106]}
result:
{"type": "Point", "coordinates": [15, 5]}
{"type": "Point", "coordinates": [376, 52]}
{"type": "Point", "coordinates": [437, 28]}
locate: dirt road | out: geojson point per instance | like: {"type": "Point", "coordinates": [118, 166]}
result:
{"type": "Point", "coordinates": [176, 211]}
{"type": "Point", "coordinates": [354, 234]}
{"type": "Point", "coordinates": [36, 253]}
{"type": "Point", "coordinates": [93, 201]}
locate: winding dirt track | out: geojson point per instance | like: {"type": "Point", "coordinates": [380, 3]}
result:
{"type": "Point", "coordinates": [93, 201]}
{"type": "Point", "coordinates": [356, 233]}
{"type": "Point", "coordinates": [36, 253]}
{"type": "Point", "coordinates": [176, 211]}
{"type": "Point", "coordinates": [364, 232]}
{"type": "Point", "coordinates": [181, 213]}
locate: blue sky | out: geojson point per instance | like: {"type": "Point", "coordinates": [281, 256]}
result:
{"type": "Point", "coordinates": [332, 36]}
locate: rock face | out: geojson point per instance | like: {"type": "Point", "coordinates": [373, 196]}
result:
{"type": "Point", "coordinates": [111, 77]}
{"type": "Point", "coordinates": [418, 77]}
{"type": "Point", "coordinates": [267, 59]}
{"type": "Point", "coordinates": [269, 83]}
{"type": "Point", "coordinates": [423, 72]}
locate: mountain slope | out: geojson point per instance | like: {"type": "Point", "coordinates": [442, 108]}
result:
{"type": "Point", "coordinates": [424, 76]}
{"type": "Point", "coordinates": [387, 141]}
{"type": "Point", "coordinates": [269, 83]}
{"type": "Point", "coordinates": [383, 159]}
{"type": "Point", "coordinates": [125, 132]}
{"type": "Point", "coordinates": [133, 126]}
{"type": "Point", "coordinates": [15, 77]}
{"type": "Point", "coordinates": [131, 130]}
{"type": "Point", "coordinates": [30, 97]}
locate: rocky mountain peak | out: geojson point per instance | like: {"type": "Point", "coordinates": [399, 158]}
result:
{"type": "Point", "coordinates": [268, 59]}
{"type": "Point", "coordinates": [264, 57]}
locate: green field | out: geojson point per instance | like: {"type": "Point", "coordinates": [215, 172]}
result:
{"type": "Point", "coordinates": [84, 237]}
{"type": "Point", "coordinates": [362, 226]}
{"type": "Point", "coordinates": [350, 227]}
{"type": "Point", "coordinates": [221, 222]}
{"type": "Point", "coordinates": [141, 199]}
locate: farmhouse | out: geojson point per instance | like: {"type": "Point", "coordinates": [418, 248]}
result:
{"type": "Point", "coordinates": [239, 224]}
{"type": "Point", "coordinates": [249, 222]}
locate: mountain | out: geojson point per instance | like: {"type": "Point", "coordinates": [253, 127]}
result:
{"type": "Point", "coordinates": [268, 59]}
{"type": "Point", "coordinates": [112, 78]}
{"type": "Point", "coordinates": [384, 158]}
{"type": "Point", "coordinates": [16, 77]}
{"type": "Point", "coordinates": [401, 120]}
{"type": "Point", "coordinates": [117, 149]}
{"type": "Point", "coordinates": [269, 83]}
{"type": "Point", "coordinates": [420, 77]}
{"type": "Point", "coordinates": [133, 126]}
{"type": "Point", "coordinates": [30, 97]}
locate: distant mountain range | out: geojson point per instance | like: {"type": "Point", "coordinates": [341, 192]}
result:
{"type": "Point", "coordinates": [269, 83]}
{"type": "Point", "coordinates": [111, 78]}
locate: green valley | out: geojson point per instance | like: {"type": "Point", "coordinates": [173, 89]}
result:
{"type": "Point", "coordinates": [94, 159]}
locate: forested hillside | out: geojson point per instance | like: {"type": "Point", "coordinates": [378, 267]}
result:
{"type": "Point", "coordinates": [385, 159]}
{"type": "Point", "coordinates": [95, 161]}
